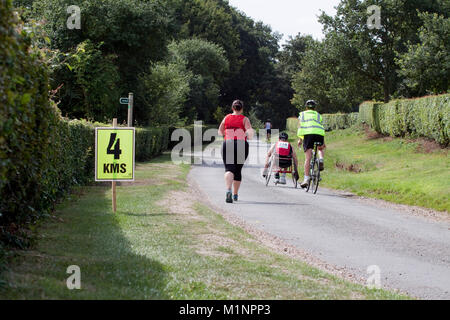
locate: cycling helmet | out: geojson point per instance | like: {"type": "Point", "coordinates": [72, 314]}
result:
{"type": "Point", "coordinates": [284, 136]}
{"type": "Point", "coordinates": [311, 104]}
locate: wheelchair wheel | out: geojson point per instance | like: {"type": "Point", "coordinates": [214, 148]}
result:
{"type": "Point", "coordinates": [269, 173]}
{"type": "Point", "coordinates": [295, 181]}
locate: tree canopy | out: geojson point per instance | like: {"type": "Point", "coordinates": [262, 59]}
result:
{"type": "Point", "coordinates": [189, 59]}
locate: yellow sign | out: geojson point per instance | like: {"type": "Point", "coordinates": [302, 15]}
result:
{"type": "Point", "coordinates": [114, 154]}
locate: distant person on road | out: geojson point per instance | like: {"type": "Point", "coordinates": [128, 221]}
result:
{"type": "Point", "coordinates": [311, 130]}
{"type": "Point", "coordinates": [236, 129]}
{"type": "Point", "coordinates": [268, 127]}
{"type": "Point", "coordinates": [285, 154]}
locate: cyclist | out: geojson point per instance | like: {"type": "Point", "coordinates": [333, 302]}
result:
{"type": "Point", "coordinates": [236, 129]}
{"type": "Point", "coordinates": [311, 130]}
{"type": "Point", "coordinates": [285, 154]}
{"type": "Point", "coordinates": [268, 127]}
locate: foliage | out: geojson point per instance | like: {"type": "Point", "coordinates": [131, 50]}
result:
{"type": "Point", "coordinates": [151, 142]}
{"type": "Point", "coordinates": [331, 122]}
{"type": "Point", "coordinates": [219, 114]}
{"type": "Point", "coordinates": [324, 78]}
{"type": "Point", "coordinates": [426, 65]}
{"type": "Point", "coordinates": [339, 121]}
{"type": "Point", "coordinates": [425, 117]}
{"type": "Point", "coordinates": [371, 52]}
{"type": "Point", "coordinates": [164, 91]}
{"type": "Point", "coordinates": [90, 82]}
{"type": "Point", "coordinates": [355, 63]}
{"type": "Point", "coordinates": [130, 34]}
{"type": "Point", "coordinates": [293, 53]}
{"type": "Point", "coordinates": [26, 120]}
{"type": "Point", "coordinates": [207, 63]}
{"type": "Point", "coordinates": [254, 120]}
{"type": "Point", "coordinates": [42, 155]}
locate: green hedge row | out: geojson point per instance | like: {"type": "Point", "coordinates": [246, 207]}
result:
{"type": "Point", "coordinates": [42, 155]}
{"type": "Point", "coordinates": [27, 126]}
{"type": "Point", "coordinates": [339, 121]}
{"type": "Point", "coordinates": [151, 142]}
{"type": "Point", "coordinates": [422, 117]}
{"type": "Point", "coordinates": [35, 181]}
{"type": "Point", "coordinates": [191, 130]}
{"type": "Point", "coordinates": [330, 121]}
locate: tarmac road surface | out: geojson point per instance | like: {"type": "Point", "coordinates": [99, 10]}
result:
{"type": "Point", "coordinates": [412, 252]}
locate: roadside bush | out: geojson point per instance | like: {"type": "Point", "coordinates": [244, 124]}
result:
{"type": "Point", "coordinates": [26, 124]}
{"type": "Point", "coordinates": [191, 130]}
{"type": "Point", "coordinates": [42, 155]}
{"type": "Point", "coordinates": [151, 142]}
{"type": "Point", "coordinates": [339, 121]}
{"type": "Point", "coordinates": [422, 117]}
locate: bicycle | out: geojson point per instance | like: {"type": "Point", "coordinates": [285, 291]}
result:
{"type": "Point", "coordinates": [313, 184]}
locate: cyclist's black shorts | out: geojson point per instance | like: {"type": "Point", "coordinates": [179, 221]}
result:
{"type": "Point", "coordinates": [310, 139]}
{"type": "Point", "coordinates": [237, 151]}
{"type": "Point", "coordinates": [269, 131]}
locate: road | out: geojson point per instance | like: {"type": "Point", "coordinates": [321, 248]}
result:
{"type": "Point", "coordinates": [412, 252]}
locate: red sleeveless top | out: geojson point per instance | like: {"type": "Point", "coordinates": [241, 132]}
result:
{"type": "Point", "coordinates": [283, 149]}
{"type": "Point", "coordinates": [234, 127]}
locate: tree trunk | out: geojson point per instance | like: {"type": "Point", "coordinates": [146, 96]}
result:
{"type": "Point", "coordinates": [387, 92]}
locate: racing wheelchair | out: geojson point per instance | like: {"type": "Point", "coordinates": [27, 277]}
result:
{"type": "Point", "coordinates": [281, 165]}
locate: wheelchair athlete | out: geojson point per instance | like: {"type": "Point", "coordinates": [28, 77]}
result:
{"type": "Point", "coordinates": [284, 155]}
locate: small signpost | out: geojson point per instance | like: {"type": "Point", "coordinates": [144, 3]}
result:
{"type": "Point", "coordinates": [114, 156]}
{"type": "Point", "coordinates": [129, 101]}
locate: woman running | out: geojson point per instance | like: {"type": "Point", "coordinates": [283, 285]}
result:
{"type": "Point", "coordinates": [235, 128]}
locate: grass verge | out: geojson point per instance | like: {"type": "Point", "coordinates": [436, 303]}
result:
{"type": "Point", "coordinates": [392, 169]}
{"type": "Point", "coordinates": [161, 244]}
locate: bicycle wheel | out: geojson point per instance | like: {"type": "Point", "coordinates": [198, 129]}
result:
{"type": "Point", "coordinates": [311, 173]}
{"type": "Point", "coordinates": [316, 177]}
{"type": "Point", "coordinates": [310, 180]}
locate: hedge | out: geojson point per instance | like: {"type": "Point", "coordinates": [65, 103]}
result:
{"type": "Point", "coordinates": [151, 142]}
{"type": "Point", "coordinates": [330, 121]}
{"type": "Point", "coordinates": [422, 117]}
{"type": "Point", "coordinates": [42, 155]}
{"type": "Point", "coordinates": [191, 129]}
{"type": "Point", "coordinates": [339, 121]}
{"type": "Point", "coordinates": [69, 161]}
{"type": "Point", "coordinates": [27, 126]}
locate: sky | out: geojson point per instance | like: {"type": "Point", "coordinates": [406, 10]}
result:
{"type": "Point", "coordinates": [288, 17]}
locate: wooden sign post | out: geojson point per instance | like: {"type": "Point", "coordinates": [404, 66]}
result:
{"type": "Point", "coordinates": [130, 109]}
{"type": "Point", "coordinates": [114, 202]}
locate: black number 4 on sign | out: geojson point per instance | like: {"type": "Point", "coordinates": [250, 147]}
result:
{"type": "Point", "coordinates": [116, 151]}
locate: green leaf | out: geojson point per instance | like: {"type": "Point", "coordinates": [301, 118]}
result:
{"type": "Point", "coordinates": [25, 99]}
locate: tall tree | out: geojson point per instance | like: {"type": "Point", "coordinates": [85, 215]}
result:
{"type": "Point", "coordinates": [372, 52]}
{"type": "Point", "coordinates": [208, 64]}
{"type": "Point", "coordinates": [426, 65]}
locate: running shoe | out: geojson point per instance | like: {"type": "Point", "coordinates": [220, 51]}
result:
{"type": "Point", "coordinates": [229, 197]}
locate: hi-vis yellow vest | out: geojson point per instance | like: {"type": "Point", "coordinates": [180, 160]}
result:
{"type": "Point", "coordinates": [311, 122]}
